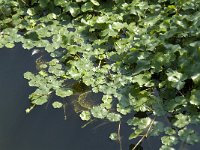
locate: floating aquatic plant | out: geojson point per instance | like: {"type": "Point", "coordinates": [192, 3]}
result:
{"type": "Point", "coordinates": [141, 56]}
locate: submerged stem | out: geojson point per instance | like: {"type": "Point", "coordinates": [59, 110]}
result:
{"type": "Point", "coordinates": [146, 134]}
{"type": "Point", "coordinates": [64, 111]}
{"type": "Point", "coordinates": [87, 123]}
{"type": "Point", "coordinates": [119, 136]}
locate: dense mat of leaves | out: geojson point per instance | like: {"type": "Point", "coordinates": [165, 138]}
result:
{"type": "Point", "coordinates": [142, 55]}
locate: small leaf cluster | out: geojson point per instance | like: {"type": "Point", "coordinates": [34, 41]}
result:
{"type": "Point", "coordinates": [48, 80]}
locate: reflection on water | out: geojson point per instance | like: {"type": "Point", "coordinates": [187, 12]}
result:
{"type": "Point", "coordinates": [46, 129]}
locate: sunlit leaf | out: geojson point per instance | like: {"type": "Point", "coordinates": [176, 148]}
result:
{"type": "Point", "coordinates": [85, 115]}
{"type": "Point", "coordinates": [195, 97]}
{"type": "Point", "coordinates": [88, 6]}
{"type": "Point", "coordinates": [64, 92]}
{"type": "Point", "coordinates": [169, 140]}
{"type": "Point", "coordinates": [10, 45]}
{"type": "Point", "coordinates": [99, 112]}
{"type": "Point", "coordinates": [95, 2]}
{"type": "Point", "coordinates": [57, 104]}
{"type": "Point", "coordinates": [182, 120]}
{"type": "Point", "coordinates": [113, 136]}
{"type": "Point", "coordinates": [113, 117]}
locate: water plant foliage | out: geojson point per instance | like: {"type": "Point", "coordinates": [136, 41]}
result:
{"type": "Point", "coordinates": [143, 56]}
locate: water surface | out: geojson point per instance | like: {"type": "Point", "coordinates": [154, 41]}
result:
{"type": "Point", "coordinates": [42, 129]}
{"type": "Point", "coordinates": [45, 128]}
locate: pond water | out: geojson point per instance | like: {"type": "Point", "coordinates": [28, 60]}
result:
{"type": "Point", "coordinates": [45, 128]}
{"type": "Point", "coordinates": [42, 129]}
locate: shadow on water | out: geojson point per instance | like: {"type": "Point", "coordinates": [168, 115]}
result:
{"type": "Point", "coordinates": [46, 129]}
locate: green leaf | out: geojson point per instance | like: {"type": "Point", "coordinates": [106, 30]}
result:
{"type": "Point", "coordinates": [118, 26]}
{"type": "Point", "coordinates": [135, 134]}
{"type": "Point", "coordinates": [169, 131]}
{"type": "Point", "coordinates": [40, 100]}
{"type": "Point", "coordinates": [85, 115]}
{"type": "Point", "coordinates": [165, 147]}
{"type": "Point", "coordinates": [107, 99]}
{"type": "Point", "coordinates": [174, 104]}
{"type": "Point", "coordinates": [60, 2]}
{"type": "Point", "coordinates": [81, 0]}
{"type": "Point", "coordinates": [188, 135]}
{"type": "Point", "coordinates": [28, 75]}
{"type": "Point", "coordinates": [113, 117]}
{"type": "Point", "coordinates": [176, 78]}
{"type": "Point", "coordinates": [157, 129]}
{"type": "Point", "coordinates": [62, 92]}
{"type": "Point", "coordinates": [142, 123]}
{"type": "Point", "coordinates": [31, 11]}
{"type": "Point", "coordinates": [43, 3]}
{"type": "Point", "coordinates": [74, 9]}
{"type": "Point", "coordinates": [57, 104]}
{"type": "Point", "coordinates": [43, 73]}
{"type": "Point", "coordinates": [195, 97]}
{"type": "Point", "coordinates": [53, 62]}
{"type": "Point", "coordinates": [182, 120]}
{"type": "Point", "coordinates": [87, 7]}
{"type": "Point", "coordinates": [169, 140]}
{"type": "Point", "coordinates": [10, 45]}
{"type": "Point", "coordinates": [141, 79]}
{"type": "Point", "coordinates": [95, 2]}
{"type": "Point", "coordinates": [102, 19]}
{"type": "Point", "coordinates": [142, 65]}
{"type": "Point", "coordinates": [52, 16]}
{"type": "Point", "coordinates": [113, 136]}
{"type": "Point", "coordinates": [123, 110]}
{"type": "Point", "coordinates": [196, 78]}
{"type": "Point", "coordinates": [99, 112]}
{"type": "Point", "coordinates": [158, 108]}
{"type": "Point", "coordinates": [109, 32]}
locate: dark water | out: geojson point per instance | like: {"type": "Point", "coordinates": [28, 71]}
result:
{"type": "Point", "coordinates": [42, 129]}
{"type": "Point", "coordinates": [45, 129]}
